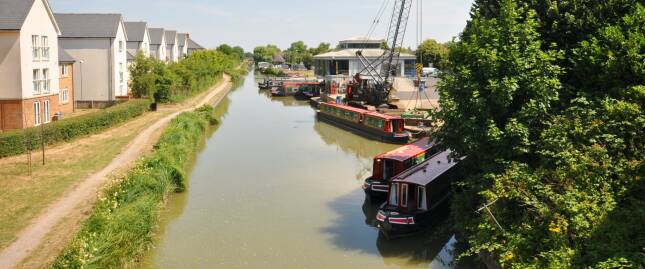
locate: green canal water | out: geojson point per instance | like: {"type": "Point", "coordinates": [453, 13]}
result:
{"type": "Point", "coordinates": [274, 188]}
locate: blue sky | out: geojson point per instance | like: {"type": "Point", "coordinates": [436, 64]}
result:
{"type": "Point", "coordinates": [249, 23]}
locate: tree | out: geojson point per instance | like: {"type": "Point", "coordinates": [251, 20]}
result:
{"type": "Point", "coordinates": [432, 52]}
{"type": "Point", "coordinates": [265, 53]}
{"type": "Point", "coordinates": [322, 48]}
{"type": "Point", "coordinates": [297, 53]}
{"type": "Point", "coordinates": [545, 98]}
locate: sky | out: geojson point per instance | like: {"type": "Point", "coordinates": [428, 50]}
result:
{"type": "Point", "coordinates": [249, 23]}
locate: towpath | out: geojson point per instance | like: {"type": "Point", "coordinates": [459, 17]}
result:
{"type": "Point", "coordinates": [34, 234]}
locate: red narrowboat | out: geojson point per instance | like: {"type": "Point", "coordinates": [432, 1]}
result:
{"type": "Point", "coordinates": [371, 124]}
{"type": "Point", "coordinates": [418, 196]}
{"type": "Point", "coordinates": [392, 163]}
{"type": "Point", "coordinates": [289, 88]}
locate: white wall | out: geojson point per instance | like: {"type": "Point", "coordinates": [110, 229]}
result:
{"type": "Point", "coordinates": [38, 22]}
{"type": "Point", "coordinates": [10, 77]}
{"type": "Point", "coordinates": [119, 63]}
{"type": "Point", "coordinates": [90, 83]}
{"type": "Point", "coordinates": [145, 45]}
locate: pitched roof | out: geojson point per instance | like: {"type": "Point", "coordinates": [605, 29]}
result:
{"type": "Point", "coordinates": [181, 38]}
{"type": "Point", "coordinates": [156, 35]}
{"type": "Point", "coordinates": [130, 56]}
{"type": "Point", "coordinates": [193, 45]}
{"type": "Point", "coordinates": [170, 37]}
{"type": "Point", "coordinates": [88, 25]}
{"type": "Point", "coordinates": [136, 30]}
{"type": "Point", "coordinates": [351, 54]}
{"type": "Point", "coordinates": [13, 13]}
{"type": "Point", "coordinates": [64, 57]}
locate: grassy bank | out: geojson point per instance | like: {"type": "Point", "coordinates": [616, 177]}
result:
{"type": "Point", "coordinates": [119, 229]}
{"type": "Point", "coordinates": [21, 141]}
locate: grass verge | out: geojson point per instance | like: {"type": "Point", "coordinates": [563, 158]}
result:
{"type": "Point", "coordinates": [120, 227]}
{"type": "Point", "coordinates": [21, 141]}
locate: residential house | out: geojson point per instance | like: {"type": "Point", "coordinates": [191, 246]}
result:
{"type": "Point", "coordinates": [138, 37]}
{"type": "Point", "coordinates": [66, 104]}
{"type": "Point", "coordinates": [171, 46]}
{"type": "Point", "coordinates": [193, 46]}
{"type": "Point", "coordinates": [157, 43]}
{"type": "Point", "coordinates": [182, 44]}
{"type": "Point", "coordinates": [98, 43]}
{"type": "Point", "coordinates": [28, 63]}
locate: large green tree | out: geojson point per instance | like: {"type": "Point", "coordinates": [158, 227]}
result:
{"type": "Point", "coordinates": [265, 53]}
{"type": "Point", "coordinates": [432, 52]}
{"type": "Point", "coordinates": [545, 98]}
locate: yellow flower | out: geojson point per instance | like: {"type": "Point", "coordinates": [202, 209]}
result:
{"type": "Point", "coordinates": [509, 256]}
{"type": "Point", "coordinates": [553, 227]}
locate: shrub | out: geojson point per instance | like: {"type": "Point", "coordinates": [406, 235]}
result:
{"type": "Point", "coordinates": [20, 141]}
{"type": "Point", "coordinates": [121, 225]}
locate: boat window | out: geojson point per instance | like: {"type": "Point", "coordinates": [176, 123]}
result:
{"type": "Point", "coordinates": [404, 195]}
{"type": "Point", "coordinates": [393, 194]}
{"type": "Point", "coordinates": [421, 198]}
{"type": "Point", "coordinates": [388, 169]}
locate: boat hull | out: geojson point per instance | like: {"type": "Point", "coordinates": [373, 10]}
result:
{"type": "Point", "coordinates": [376, 190]}
{"type": "Point", "coordinates": [363, 130]}
{"type": "Point", "coordinates": [393, 224]}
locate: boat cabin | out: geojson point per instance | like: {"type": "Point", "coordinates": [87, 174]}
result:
{"type": "Point", "coordinates": [392, 163]}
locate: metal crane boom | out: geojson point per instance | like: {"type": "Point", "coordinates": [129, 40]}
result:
{"type": "Point", "coordinates": [389, 61]}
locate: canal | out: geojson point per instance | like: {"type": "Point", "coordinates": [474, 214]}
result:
{"type": "Point", "coordinates": [274, 188]}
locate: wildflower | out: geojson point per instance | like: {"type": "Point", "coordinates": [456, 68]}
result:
{"type": "Point", "coordinates": [509, 255]}
{"type": "Point", "coordinates": [555, 228]}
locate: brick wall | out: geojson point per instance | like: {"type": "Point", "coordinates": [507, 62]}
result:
{"type": "Point", "coordinates": [66, 82]}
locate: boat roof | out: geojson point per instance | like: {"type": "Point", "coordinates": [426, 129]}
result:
{"type": "Point", "coordinates": [383, 116]}
{"type": "Point", "coordinates": [350, 108]}
{"type": "Point", "coordinates": [426, 172]}
{"type": "Point", "coordinates": [301, 82]}
{"type": "Point", "coordinates": [408, 151]}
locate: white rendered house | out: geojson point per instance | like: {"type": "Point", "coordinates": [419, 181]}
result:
{"type": "Point", "coordinates": [28, 63]}
{"type": "Point", "coordinates": [98, 42]}
{"type": "Point", "coordinates": [157, 43]}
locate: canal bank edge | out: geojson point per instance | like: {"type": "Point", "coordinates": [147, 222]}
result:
{"type": "Point", "coordinates": [120, 228]}
{"type": "Point", "coordinates": [122, 225]}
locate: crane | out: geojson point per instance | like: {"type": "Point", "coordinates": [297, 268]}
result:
{"type": "Point", "coordinates": [384, 68]}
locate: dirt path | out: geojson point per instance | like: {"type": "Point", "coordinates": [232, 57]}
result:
{"type": "Point", "coordinates": [32, 236]}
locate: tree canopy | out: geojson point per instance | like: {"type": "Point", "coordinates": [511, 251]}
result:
{"type": "Point", "coordinates": [545, 100]}
{"type": "Point", "coordinates": [432, 52]}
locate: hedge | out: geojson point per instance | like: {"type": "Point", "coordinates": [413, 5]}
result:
{"type": "Point", "coordinates": [121, 226]}
{"type": "Point", "coordinates": [20, 141]}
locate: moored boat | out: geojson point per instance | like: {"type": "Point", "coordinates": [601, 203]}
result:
{"type": "Point", "coordinates": [418, 195]}
{"type": "Point", "coordinates": [370, 124]}
{"type": "Point", "coordinates": [290, 88]}
{"type": "Point", "coordinates": [392, 163]}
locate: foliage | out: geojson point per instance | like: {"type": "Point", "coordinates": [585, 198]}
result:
{"type": "Point", "coordinates": [21, 141]}
{"type": "Point", "coordinates": [274, 72]}
{"type": "Point", "coordinates": [432, 52]}
{"type": "Point", "coordinates": [545, 98]}
{"type": "Point", "coordinates": [237, 51]}
{"type": "Point", "coordinates": [175, 81]}
{"type": "Point", "coordinates": [265, 53]}
{"type": "Point", "coordinates": [298, 53]}
{"type": "Point", "coordinates": [121, 226]}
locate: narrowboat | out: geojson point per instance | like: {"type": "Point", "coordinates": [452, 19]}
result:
{"type": "Point", "coordinates": [392, 163]}
{"type": "Point", "coordinates": [367, 123]}
{"type": "Point", "coordinates": [418, 196]}
{"type": "Point", "coordinates": [289, 88]}
{"type": "Point", "coordinates": [306, 92]}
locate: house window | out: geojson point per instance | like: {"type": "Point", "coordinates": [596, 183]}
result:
{"type": "Point", "coordinates": [36, 74]}
{"type": "Point", "coordinates": [46, 114]}
{"type": "Point", "coordinates": [45, 48]}
{"type": "Point", "coordinates": [63, 71]}
{"type": "Point", "coordinates": [121, 72]}
{"type": "Point", "coordinates": [35, 47]}
{"type": "Point", "coordinates": [120, 46]}
{"type": "Point", "coordinates": [36, 113]}
{"type": "Point", "coordinates": [46, 82]}
{"type": "Point", "coordinates": [64, 96]}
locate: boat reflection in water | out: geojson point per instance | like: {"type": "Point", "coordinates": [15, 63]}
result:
{"type": "Point", "coordinates": [436, 246]}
